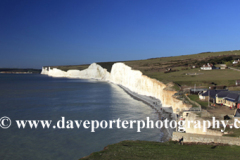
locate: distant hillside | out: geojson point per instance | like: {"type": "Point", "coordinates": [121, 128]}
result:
{"type": "Point", "coordinates": [106, 65]}
{"type": "Point", "coordinates": [68, 67]}
{"type": "Point", "coordinates": [35, 71]}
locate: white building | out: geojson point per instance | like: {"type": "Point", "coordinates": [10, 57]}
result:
{"type": "Point", "coordinates": [235, 61]}
{"type": "Point", "coordinates": [207, 67]}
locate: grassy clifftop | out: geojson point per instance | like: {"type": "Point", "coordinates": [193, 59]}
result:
{"type": "Point", "coordinates": [168, 150]}
{"type": "Point", "coordinates": [179, 69]}
{"type": "Point", "coordinates": [182, 71]}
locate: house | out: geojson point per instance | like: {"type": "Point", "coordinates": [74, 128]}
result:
{"type": "Point", "coordinates": [235, 61]}
{"type": "Point", "coordinates": [208, 67]}
{"type": "Point", "coordinates": [231, 100]}
{"type": "Point", "coordinates": [220, 97]}
{"type": "Point", "coordinates": [223, 66]}
{"type": "Point", "coordinates": [212, 93]}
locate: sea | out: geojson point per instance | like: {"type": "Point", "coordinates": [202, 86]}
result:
{"type": "Point", "coordinates": [40, 97]}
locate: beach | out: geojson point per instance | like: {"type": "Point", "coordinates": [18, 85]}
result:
{"type": "Point", "coordinates": [162, 112]}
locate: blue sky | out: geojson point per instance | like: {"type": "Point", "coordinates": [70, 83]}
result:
{"type": "Point", "coordinates": [35, 33]}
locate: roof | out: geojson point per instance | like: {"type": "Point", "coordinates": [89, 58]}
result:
{"type": "Point", "coordinates": [232, 97]}
{"type": "Point", "coordinates": [207, 65]}
{"type": "Point", "coordinates": [222, 94]}
{"type": "Point", "coordinates": [213, 93]}
{"type": "Point", "coordinates": [229, 99]}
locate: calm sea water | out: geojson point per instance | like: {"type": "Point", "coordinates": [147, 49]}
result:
{"type": "Point", "coordinates": [40, 97]}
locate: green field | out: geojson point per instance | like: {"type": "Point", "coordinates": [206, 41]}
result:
{"type": "Point", "coordinates": [220, 77]}
{"type": "Point", "coordinates": [169, 150]}
{"type": "Point", "coordinates": [195, 98]}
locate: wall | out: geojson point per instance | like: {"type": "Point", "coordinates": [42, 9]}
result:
{"type": "Point", "coordinates": [203, 98]}
{"type": "Point", "coordinates": [188, 137]}
{"type": "Point", "coordinates": [229, 103]}
{"type": "Point", "coordinates": [219, 100]}
{"type": "Point", "coordinates": [197, 130]}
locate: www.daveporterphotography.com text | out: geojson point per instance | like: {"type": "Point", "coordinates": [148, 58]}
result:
{"type": "Point", "coordinates": [92, 125]}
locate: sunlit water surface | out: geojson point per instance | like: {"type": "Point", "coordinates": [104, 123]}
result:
{"type": "Point", "coordinates": [40, 97]}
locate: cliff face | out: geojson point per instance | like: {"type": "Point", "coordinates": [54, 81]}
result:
{"type": "Point", "coordinates": [136, 82]}
{"type": "Point", "coordinates": [124, 75]}
{"type": "Point", "coordinates": [45, 70]}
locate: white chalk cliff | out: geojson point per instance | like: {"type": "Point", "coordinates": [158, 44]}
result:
{"type": "Point", "coordinates": [93, 71]}
{"type": "Point", "coordinates": [122, 74]}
